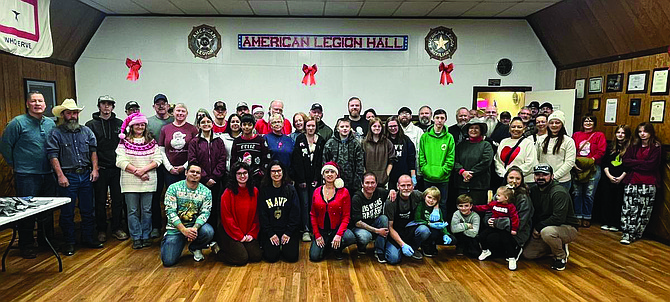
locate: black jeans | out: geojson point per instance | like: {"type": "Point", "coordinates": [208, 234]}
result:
{"type": "Point", "coordinates": [500, 242]}
{"type": "Point", "coordinates": [109, 178]}
{"type": "Point", "coordinates": [36, 185]}
{"type": "Point", "coordinates": [289, 251]}
{"type": "Point", "coordinates": [469, 245]}
{"type": "Point", "coordinates": [157, 200]}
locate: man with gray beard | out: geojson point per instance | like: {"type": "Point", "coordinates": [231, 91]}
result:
{"type": "Point", "coordinates": [425, 118]}
{"type": "Point", "coordinates": [71, 149]}
{"type": "Point", "coordinates": [456, 130]}
{"type": "Point", "coordinates": [497, 131]}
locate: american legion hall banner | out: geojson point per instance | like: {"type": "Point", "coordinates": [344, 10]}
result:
{"type": "Point", "coordinates": [25, 28]}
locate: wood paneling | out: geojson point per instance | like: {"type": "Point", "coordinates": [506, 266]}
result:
{"type": "Point", "coordinates": [599, 269]}
{"type": "Point", "coordinates": [660, 225]}
{"type": "Point", "coordinates": [72, 27]}
{"type": "Point", "coordinates": [565, 79]}
{"type": "Point", "coordinates": [576, 31]}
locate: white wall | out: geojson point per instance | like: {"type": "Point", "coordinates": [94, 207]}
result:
{"type": "Point", "coordinates": [383, 80]}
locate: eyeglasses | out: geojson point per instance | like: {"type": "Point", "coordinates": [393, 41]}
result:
{"type": "Point", "coordinates": [242, 173]}
{"type": "Point", "coordinates": [392, 126]}
{"type": "Point", "coordinates": [405, 114]}
{"type": "Point", "coordinates": [276, 171]}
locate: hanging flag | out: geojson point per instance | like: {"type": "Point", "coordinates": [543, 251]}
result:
{"type": "Point", "coordinates": [25, 28]}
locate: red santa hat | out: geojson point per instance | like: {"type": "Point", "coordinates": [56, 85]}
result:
{"type": "Point", "coordinates": [331, 165]}
{"type": "Point", "coordinates": [256, 108]}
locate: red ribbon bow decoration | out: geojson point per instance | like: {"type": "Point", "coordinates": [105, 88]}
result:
{"type": "Point", "coordinates": [445, 71]}
{"type": "Point", "coordinates": [309, 71]}
{"type": "Point", "coordinates": [134, 66]}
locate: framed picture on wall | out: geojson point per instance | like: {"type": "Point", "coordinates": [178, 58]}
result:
{"type": "Point", "coordinates": [610, 111]}
{"type": "Point", "coordinates": [579, 86]}
{"type": "Point", "coordinates": [635, 106]}
{"type": "Point", "coordinates": [637, 82]}
{"type": "Point", "coordinates": [659, 81]}
{"type": "Point", "coordinates": [48, 90]}
{"type": "Point", "coordinates": [614, 83]}
{"type": "Point", "coordinates": [596, 85]}
{"type": "Point", "coordinates": [594, 104]}
{"type": "Point", "coordinates": [657, 111]}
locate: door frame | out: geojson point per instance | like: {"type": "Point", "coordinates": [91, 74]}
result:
{"type": "Point", "coordinates": [478, 89]}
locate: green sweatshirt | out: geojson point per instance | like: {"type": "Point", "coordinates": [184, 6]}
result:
{"type": "Point", "coordinates": [436, 155]}
{"type": "Point", "coordinates": [422, 216]}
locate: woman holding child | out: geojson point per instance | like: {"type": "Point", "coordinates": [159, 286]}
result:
{"type": "Point", "coordinates": [499, 238]}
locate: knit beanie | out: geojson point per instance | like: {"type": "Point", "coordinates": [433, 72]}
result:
{"type": "Point", "coordinates": [557, 114]}
{"type": "Point", "coordinates": [133, 119]}
{"type": "Point", "coordinates": [331, 165]}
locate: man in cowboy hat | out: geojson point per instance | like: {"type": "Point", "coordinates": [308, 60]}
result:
{"type": "Point", "coordinates": [71, 148]}
{"type": "Point", "coordinates": [106, 127]}
{"type": "Point", "coordinates": [24, 148]}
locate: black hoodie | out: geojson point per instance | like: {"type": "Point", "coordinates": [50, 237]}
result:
{"type": "Point", "coordinates": [107, 134]}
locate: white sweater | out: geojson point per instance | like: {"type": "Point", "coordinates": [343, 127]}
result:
{"type": "Point", "coordinates": [526, 159]}
{"type": "Point", "coordinates": [140, 157]}
{"type": "Point", "coordinates": [563, 161]}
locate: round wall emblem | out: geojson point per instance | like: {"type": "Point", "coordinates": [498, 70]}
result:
{"type": "Point", "coordinates": [441, 43]}
{"type": "Point", "coordinates": [204, 41]}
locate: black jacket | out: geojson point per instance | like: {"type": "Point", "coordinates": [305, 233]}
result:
{"type": "Point", "coordinates": [457, 132]}
{"type": "Point", "coordinates": [107, 134]}
{"type": "Point", "coordinates": [553, 207]}
{"type": "Point", "coordinates": [324, 130]}
{"type": "Point", "coordinates": [304, 169]}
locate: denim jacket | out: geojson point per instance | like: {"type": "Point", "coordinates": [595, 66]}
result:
{"type": "Point", "coordinates": [73, 149]}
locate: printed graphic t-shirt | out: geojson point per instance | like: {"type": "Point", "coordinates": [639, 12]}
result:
{"type": "Point", "coordinates": [175, 140]}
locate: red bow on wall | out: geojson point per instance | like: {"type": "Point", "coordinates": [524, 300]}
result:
{"type": "Point", "coordinates": [445, 75]}
{"type": "Point", "coordinates": [134, 72]}
{"type": "Point", "coordinates": [309, 71]}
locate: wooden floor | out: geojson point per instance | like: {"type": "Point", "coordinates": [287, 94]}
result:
{"type": "Point", "coordinates": [599, 269]}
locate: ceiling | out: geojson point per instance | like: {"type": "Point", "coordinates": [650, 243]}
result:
{"type": "Point", "coordinates": [328, 8]}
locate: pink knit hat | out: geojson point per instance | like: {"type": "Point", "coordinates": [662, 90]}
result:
{"type": "Point", "coordinates": [133, 119]}
{"type": "Point", "coordinates": [331, 165]}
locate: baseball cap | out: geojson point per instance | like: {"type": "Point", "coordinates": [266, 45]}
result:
{"type": "Point", "coordinates": [106, 98]}
{"type": "Point", "coordinates": [404, 109]}
{"type": "Point", "coordinates": [132, 104]}
{"type": "Point", "coordinates": [316, 106]}
{"type": "Point", "coordinates": [159, 97]}
{"type": "Point", "coordinates": [220, 105]}
{"type": "Point", "coordinates": [543, 168]}
{"type": "Point", "coordinates": [547, 104]}
{"type": "Point", "coordinates": [534, 104]}
{"type": "Point", "coordinates": [242, 104]}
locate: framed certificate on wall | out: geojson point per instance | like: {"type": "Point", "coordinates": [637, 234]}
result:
{"type": "Point", "coordinates": [637, 82]}
{"type": "Point", "coordinates": [659, 81]}
{"type": "Point", "coordinates": [579, 86]}
{"type": "Point", "coordinates": [657, 111]}
{"type": "Point", "coordinates": [596, 85]}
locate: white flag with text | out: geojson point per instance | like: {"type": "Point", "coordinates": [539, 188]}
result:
{"type": "Point", "coordinates": [25, 28]}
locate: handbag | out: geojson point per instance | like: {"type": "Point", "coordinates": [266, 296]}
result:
{"type": "Point", "coordinates": [585, 164]}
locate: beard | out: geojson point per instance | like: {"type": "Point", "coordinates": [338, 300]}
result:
{"type": "Point", "coordinates": [71, 124]}
{"type": "Point", "coordinates": [542, 183]}
{"type": "Point", "coordinates": [424, 120]}
{"type": "Point", "coordinates": [490, 125]}
{"type": "Point", "coordinates": [404, 122]}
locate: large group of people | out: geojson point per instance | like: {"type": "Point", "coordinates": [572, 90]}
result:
{"type": "Point", "coordinates": [252, 186]}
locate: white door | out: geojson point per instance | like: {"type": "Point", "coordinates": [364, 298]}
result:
{"type": "Point", "coordinates": [563, 100]}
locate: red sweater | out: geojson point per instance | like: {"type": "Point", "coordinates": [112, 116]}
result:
{"type": "Point", "coordinates": [644, 165]}
{"type": "Point", "coordinates": [238, 213]}
{"type": "Point", "coordinates": [500, 210]}
{"type": "Point", "coordinates": [597, 145]}
{"type": "Point", "coordinates": [338, 211]}
{"type": "Point", "coordinates": [263, 127]}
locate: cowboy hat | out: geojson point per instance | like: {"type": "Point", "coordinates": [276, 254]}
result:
{"type": "Point", "coordinates": [68, 104]}
{"type": "Point", "coordinates": [476, 121]}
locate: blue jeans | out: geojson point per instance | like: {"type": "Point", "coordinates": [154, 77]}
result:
{"type": "Point", "coordinates": [305, 206]}
{"type": "Point", "coordinates": [317, 253]}
{"type": "Point", "coordinates": [567, 185]}
{"type": "Point", "coordinates": [171, 178]}
{"type": "Point", "coordinates": [138, 206]}
{"type": "Point", "coordinates": [80, 188]}
{"type": "Point", "coordinates": [173, 244]}
{"type": "Point", "coordinates": [444, 190]}
{"type": "Point", "coordinates": [414, 236]}
{"type": "Point", "coordinates": [363, 236]}
{"type": "Point", "coordinates": [583, 195]}
{"type": "Point", "coordinates": [37, 185]}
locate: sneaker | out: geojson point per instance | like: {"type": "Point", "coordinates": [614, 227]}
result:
{"type": "Point", "coordinates": [306, 237]}
{"type": "Point", "coordinates": [604, 227]}
{"type": "Point", "coordinates": [137, 244]}
{"type": "Point", "coordinates": [613, 229]}
{"type": "Point", "coordinates": [430, 253]}
{"type": "Point", "coordinates": [558, 264]}
{"type": "Point", "coordinates": [417, 255]}
{"type": "Point", "coordinates": [215, 247]}
{"type": "Point", "coordinates": [120, 235]}
{"type": "Point", "coordinates": [361, 249]}
{"type": "Point", "coordinates": [380, 258]}
{"type": "Point", "coordinates": [198, 256]}
{"type": "Point", "coordinates": [511, 264]}
{"type": "Point", "coordinates": [146, 243]}
{"type": "Point", "coordinates": [102, 236]}
{"type": "Point", "coordinates": [625, 239]}
{"type": "Point", "coordinates": [155, 233]}
{"type": "Point", "coordinates": [567, 252]}
{"type": "Point", "coordinates": [459, 251]}
{"type": "Point", "coordinates": [28, 253]}
{"type": "Point", "coordinates": [485, 254]}
{"type": "Point", "coordinates": [339, 255]}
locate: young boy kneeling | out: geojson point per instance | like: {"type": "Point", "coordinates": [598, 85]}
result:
{"type": "Point", "coordinates": [465, 226]}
